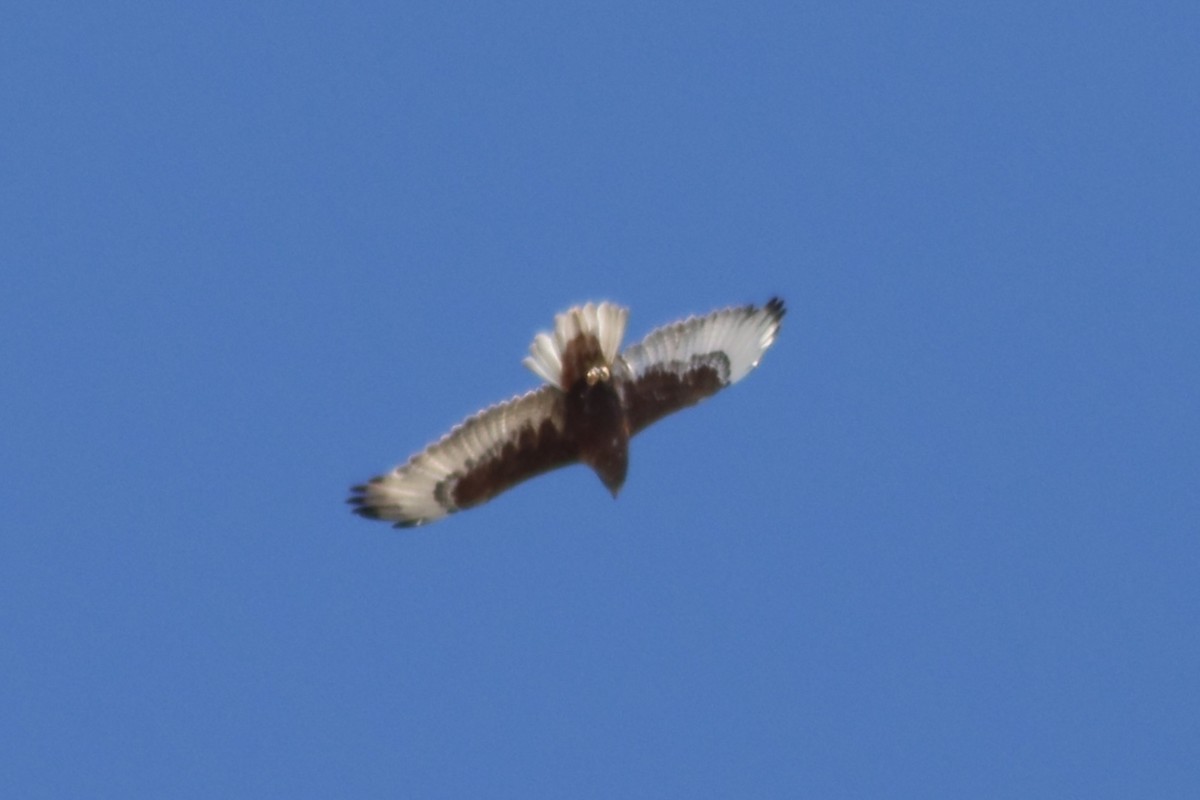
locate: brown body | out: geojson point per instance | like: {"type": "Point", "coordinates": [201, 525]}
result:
{"type": "Point", "coordinates": [595, 399]}
{"type": "Point", "coordinates": [596, 418]}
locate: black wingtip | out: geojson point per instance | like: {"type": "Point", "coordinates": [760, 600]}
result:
{"type": "Point", "coordinates": [359, 500]}
{"type": "Point", "coordinates": [776, 308]}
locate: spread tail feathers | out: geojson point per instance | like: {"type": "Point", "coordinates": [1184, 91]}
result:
{"type": "Point", "coordinates": [605, 321]}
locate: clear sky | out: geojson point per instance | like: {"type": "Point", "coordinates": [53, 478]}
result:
{"type": "Point", "coordinates": [943, 543]}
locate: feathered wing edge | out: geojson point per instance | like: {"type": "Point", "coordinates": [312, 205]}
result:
{"type": "Point", "coordinates": [422, 489]}
{"type": "Point", "coordinates": [740, 335]}
{"type": "Point", "coordinates": [606, 321]}
{"type": "Point", "coordinates": [530, 426]}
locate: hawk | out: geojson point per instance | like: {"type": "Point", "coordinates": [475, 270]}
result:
{"type": "Point", "coordinates": [594, 400]}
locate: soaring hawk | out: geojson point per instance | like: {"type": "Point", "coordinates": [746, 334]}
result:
{"type": "Point", "coordinates": [594, 400]}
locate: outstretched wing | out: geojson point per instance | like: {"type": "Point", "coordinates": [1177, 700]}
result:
{"type": "Point", "coordinates": [679, 365]}
{"type": "Point", "coordinates": [488, 453]}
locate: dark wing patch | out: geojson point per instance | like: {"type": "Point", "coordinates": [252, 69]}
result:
{"type": "Point", "coordinates": [664, 389]}
{"type": "Point", "coordinates": [533, 451]}
{"type": "Point", "coordinates": [679, 365]}
{"type": "Point", "coordinates": [488, 453]}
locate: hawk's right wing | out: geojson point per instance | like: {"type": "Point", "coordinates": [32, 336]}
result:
{"type": "Point", "coordinates": [679, 365]}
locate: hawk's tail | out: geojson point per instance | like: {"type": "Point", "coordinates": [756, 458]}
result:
{"type": "Point", "coordinates": [605, 321]}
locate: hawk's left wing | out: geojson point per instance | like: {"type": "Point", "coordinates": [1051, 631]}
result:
{"type": "Point", "coordinates": [490, 452]}
{"type": "Point", "coordinates": [681, 364]}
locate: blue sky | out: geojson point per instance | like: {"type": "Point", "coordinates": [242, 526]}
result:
{"type": "Point", "coordinates": [943, 543]}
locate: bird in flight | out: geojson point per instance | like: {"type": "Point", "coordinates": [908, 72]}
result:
{"type": "Point", "coordinates": [594, 400]}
